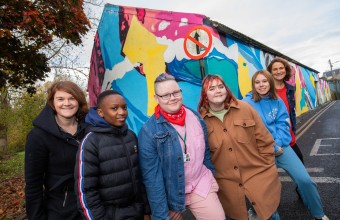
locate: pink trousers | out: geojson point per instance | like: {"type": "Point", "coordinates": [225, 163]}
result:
{"type": "Point", "coordinates": [208, 208]}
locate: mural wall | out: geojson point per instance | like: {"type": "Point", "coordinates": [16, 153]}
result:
{"type": "Point", "coordinates": [134, 45]}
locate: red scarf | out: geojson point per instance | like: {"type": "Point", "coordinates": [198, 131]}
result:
{"type": "Point", "coordinates": [178, 118]}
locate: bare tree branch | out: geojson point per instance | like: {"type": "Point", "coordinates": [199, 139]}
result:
{"type": "Point", "coordinates": [57, 51]}
{"type": "Point", "coordinates": [100, 4]}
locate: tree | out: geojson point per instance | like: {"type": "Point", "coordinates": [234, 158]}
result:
{"type": "Point", "coordinates": [22, 111]}
{"type": "Point", "coordinates": [27, 30]}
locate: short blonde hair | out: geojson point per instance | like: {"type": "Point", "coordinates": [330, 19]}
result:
{"type": "Point", "coordinates": [163, 77]}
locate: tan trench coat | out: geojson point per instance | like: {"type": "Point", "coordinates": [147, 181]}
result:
{"type": "Point", "coordinates": [243, 155]}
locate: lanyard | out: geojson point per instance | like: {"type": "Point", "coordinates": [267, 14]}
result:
{"type": "Point", "coordinates": [184, 139]}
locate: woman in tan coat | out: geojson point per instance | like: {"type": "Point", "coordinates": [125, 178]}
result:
{"type": "Point", "coordinates": [242, 152]}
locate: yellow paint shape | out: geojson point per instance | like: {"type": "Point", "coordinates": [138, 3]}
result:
{"type": "Point", "coordinates": [298, 96]}
{"type": "Point", "coordinates": [141, 46]}
{"type": "Point", "coordinates": [244, 79]}
{"type": "Point", "coordinates": [312, 79]}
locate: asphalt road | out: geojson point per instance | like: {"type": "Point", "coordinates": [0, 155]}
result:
{"type": "Point", "coordinates": [319, 140]}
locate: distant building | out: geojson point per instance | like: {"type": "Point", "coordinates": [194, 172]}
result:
{"type": "Point", "coordinates": [329, 75]}
{"type": "Point", "coordinates": [333, 79]}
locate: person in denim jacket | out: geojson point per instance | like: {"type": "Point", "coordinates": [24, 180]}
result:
{"type": "Point", "coordinates": [175, 159]}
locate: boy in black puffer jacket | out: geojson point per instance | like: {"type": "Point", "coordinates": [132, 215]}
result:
{"type": "Point", "coordinates": [109, 185]}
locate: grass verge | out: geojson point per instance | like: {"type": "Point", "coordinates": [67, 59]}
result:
{"type": "Point", "coordinates": [12, 166]}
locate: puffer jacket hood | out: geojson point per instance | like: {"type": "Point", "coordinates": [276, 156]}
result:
{"type": "Point", "coordinates": [100, 125]}
{"type": "Point", "coordinates": [92, 118]}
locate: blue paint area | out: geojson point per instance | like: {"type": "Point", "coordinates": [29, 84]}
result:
{"type": "Point", "coordinates": [227, 69]}
{"type": "Point", "coordinates": [252, 55]}
{"type": "Point", "coordinates": [108, 31]}
{"type": "Point", "coordinates": [230, 41]}
{"type": "Point", "coordinates": [309, 86]}
{"type": "Point", "coordinates": [185, 70]}
{"type": "Point", "coordinates": [191, 94]}
{"type": "Point", "coordinates": [133, 88]}
{"type": "Point", "coordinates": [302, 100]}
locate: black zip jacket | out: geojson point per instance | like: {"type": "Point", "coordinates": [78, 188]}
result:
{"type": "Point", "coordinates": [107, 172]}
{"type": "Point", "coordinates": [50, 156]}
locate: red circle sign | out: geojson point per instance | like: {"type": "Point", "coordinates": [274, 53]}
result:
{"type": "Point", "coordinates": [198, 42]}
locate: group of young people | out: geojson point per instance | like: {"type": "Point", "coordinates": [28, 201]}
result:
{"type": "Point", "coordinates": [218, 161]}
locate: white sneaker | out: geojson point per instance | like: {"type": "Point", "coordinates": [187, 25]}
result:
{"type": "Point", "coordinates": [252, 215]}
{"type": "Point", "coordinates": [322, 218]}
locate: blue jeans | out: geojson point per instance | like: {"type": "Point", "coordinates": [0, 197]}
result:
{"type": "Point", "coordinates": [275, 216]}
{"type": "Point", "coordinates": [306, 187]}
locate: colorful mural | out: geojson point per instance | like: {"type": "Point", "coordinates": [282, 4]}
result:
{"type": "Point", "coordinates": [134, 45]}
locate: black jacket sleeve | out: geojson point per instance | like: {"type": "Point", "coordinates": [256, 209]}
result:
{"type": "Point", "coordinates": [86, 180]}
{"type": "Point", "coordinates": [36, 158]}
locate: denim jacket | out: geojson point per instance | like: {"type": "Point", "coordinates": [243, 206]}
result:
{"type": "Point", "coordinates": [290, 92]}
{"type": "Point", "coordinates": [162, 166]}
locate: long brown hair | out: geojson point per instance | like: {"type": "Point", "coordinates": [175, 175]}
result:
{"type": "Point", "coordinates": [272, 90]}
{"type": "Point", "coordinates": [74, 90]}
{"type": "Point", "coordinates": [285, 64]}
{"type": "Point", "coordinates": [204, 103]}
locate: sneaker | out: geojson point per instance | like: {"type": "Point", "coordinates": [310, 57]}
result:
{"type": "Point", "coordinates": [322, 218]}
{"type": "Point", "coordinates": [252, 214]}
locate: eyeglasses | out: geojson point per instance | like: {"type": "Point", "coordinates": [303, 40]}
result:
{"type": "Point", "coordinates": [176, 94]}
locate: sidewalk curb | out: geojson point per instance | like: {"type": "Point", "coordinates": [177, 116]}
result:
{"type": "Point", "coordinates": [305, 117]}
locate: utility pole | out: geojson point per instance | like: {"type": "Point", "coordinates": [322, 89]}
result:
{"type": "Point", "coordinates": [333, 76]}
{"type": "Point", "coordinates": [198, 51]}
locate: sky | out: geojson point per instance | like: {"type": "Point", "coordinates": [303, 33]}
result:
{"type": "Point", "coordinates": [307, 31]}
